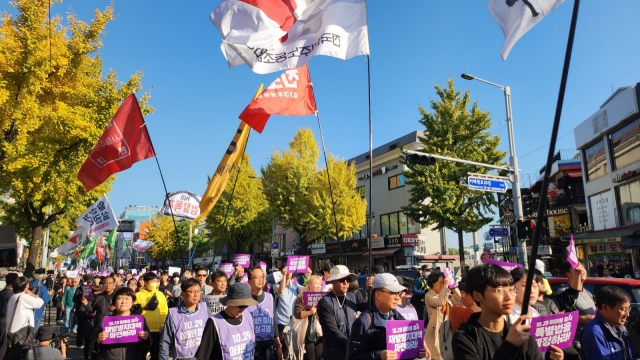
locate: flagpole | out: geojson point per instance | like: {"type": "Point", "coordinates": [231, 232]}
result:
{"type": "Point", "coordinates": [369, 224]}
{"type": "Point", "coordinates": [326, 163]}
{"type": "Point", "coordinates": [552, 145]}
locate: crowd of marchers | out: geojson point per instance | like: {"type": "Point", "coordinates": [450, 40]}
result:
{"type": "Point", "coordinates": [210, 315]}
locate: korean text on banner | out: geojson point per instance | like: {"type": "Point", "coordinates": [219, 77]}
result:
{"type": "Point", "coordinates": [503, 264]}
{"type": "Point", "coordinates": [71, 274]}
{"type": "Point", "coordinates": [213, 303]}
{"type": "Point", "coordinates": [311, 298]}
{"type": "Point", "coordinates": [297, 264]}
{"type": "Point", "coordinates": [98, 217]}
{"type": "Point", "coordinates": [406, 337]}
{"type": "Point", "coordinates": [87, 292]}
{"type": "Point", "coordinates": [182, 204]}
{"type": "Point", "coordinates": [227, 268]}
{"type": "Point", "coordinates": [572, 255]}
{"type": "Point", "coordinates": [272, 36]}
{"type": "Point", "coordinates": [122, 329]}
{"type": "Point", "coordinates": [243, 260]}
{"type": "Point", "coordinates": [555, 329]}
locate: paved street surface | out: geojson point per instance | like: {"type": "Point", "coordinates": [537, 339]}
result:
{"type": "Point", "coordinates": [72, 351]}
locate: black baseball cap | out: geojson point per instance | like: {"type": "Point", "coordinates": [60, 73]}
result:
{"type": "Point", "coordinates": [45, 332]}
{"type": "Point", "coordinates": [377, 269]}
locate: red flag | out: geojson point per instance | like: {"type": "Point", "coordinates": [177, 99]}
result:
{"type": "Point", "coordinates": [124, 142]}
{"type": "Point", "coordinates": [290, 94]}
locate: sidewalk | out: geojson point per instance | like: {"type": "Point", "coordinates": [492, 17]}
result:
{"type": "Point", "coordinates": [50, 319]}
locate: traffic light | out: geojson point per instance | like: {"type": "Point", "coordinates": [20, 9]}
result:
{"type": "Point", "coordinates": [417, 159]}
{"type": "Point", "coordinates": [524, 227]}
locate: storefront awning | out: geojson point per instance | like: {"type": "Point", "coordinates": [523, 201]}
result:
{"type": "Point", "coordinates": [633, 242]}
{"type": "Point", "coordinates": [382, 252]}
{"type": "Point", "coordinates": [325, 256]}
{"type": "Point", "coordinates": [574, 173]}
{"type": "Point", "coordinates": [438, 257]}
{"type": "Point", "coordinates": [609, 233]}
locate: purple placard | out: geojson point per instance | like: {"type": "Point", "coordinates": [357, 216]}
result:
{"type": "Point", "coordinates": [452, 281]}
{"type": "Point", "coordinates": [122, 329]}
{"type": "Point", "coordinates": [243, 279]}
{"type": "Point", "coordinates": [243, 260]}
{"type": "Point", "coordinates": [311, 298]}
{"type": "Point", "coordinates": [297, 264]}
{"type": "Point", "coordinates": [556, 329]}
{"type": "Point", "coordinates": [227, 268]}
{"type": "Point", "coordinates": [503, 264]}
{"type": "Point", "coordinates": [263, 266]}
{"type": "Point", "coordinates": [87, 292]}
{"type": "Point", "coordinates": [572, 256]}
{"type": "Point", "coordinates": [406, 337]}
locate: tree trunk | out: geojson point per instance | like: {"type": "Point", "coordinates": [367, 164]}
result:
{"type": "Point", "coordinates": [461, 252]}
{"type": "Point", "coordinates": [34, 250]}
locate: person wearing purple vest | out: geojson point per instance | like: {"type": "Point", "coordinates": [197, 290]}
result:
{"type": "Point", "coordinates": [229, 334]}
{"type": "Point", "coordinates": [263, 315]}
{"type": "Point", "coordinates": [184, 325]}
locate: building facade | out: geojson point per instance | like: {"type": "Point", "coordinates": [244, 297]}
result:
{"type": "Point", "coordinates": [609, 142]}
{"type": "Point", "coordinates": [123, 250]}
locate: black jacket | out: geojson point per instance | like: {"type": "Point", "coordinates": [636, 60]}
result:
{"type": "Point", "coordinates": [368, 336]}
{"type": "Point", "coordinates": [335, 339]}
{"type": "Point", "coordinates": [128, 351]}
{"type": "Point", "coordinates": [473, 342]}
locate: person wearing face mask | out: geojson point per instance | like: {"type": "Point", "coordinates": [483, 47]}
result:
{"type": "Point", "coordinates": [420, 289]}
{"type": "Point", "coordinates": [154, 309]}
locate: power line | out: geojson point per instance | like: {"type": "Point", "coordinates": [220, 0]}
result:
{"type": "Point", "coordinates": [544, 146]}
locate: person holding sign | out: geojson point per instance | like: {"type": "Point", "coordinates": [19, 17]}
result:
{"type": "Point", "coordinates": [605, 337]}
{"type": "Point", "coordinates": [307, 335]}
{"type": "Point", "coordinates": [286, 293]}
{"type": "Point", "coordinates": [368, 337]}
{"type": "Point", "coordinates": [487, 335]}
{"type": "Point", "coordinates": [576, 297]}
{"type": "Point", "coordinates": [185, 323]}
{"type": "Point", "coordinates": [437, 302]}
{"type": "Point", "coordinates": [230, 334]}
{"type": "Point", "coordinates": [337, 312]}
{"type": "Point", "coordinates": [123, 300]}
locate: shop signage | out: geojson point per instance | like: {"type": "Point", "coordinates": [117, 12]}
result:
{"type": "Point", "coordinates": [542, 250]}
{"type": "Point", "coordinates": [332, 247]}
{"type": "Point", "coordinates": [551, 212]}
{"type": "Point", "coordinates": [317, 249]}
{"type": "Point", "coordinates": [606, 248]}
{"type": "Point", "coordinates": [393, 241]}
{"type": "Point", "coordinates": [377, 172]}
{"type": "Point", "coordinates": [354, 245]}
{"type": "Point", "coordinates": [602, 211]}
{"type": "Point", "coordinates": [625, 176]}
{"type": "Point", "coordinates": [596, 241]}
{"type": "Point", "coordinates": [377, 243]}
{"type": "Point", "coordinates": [410, 240]}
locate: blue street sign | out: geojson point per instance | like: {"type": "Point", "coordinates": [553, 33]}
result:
{"type": "Point", "coordinates": [274, 245]}
{"type": "Point", "coordinates": [499, 232]}
{"type": "Point", "coordinates": [476, 183]}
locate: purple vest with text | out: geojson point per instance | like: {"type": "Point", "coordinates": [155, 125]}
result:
{"type": "Point", "coordinates": [262, 315]}
{"type": "Point", "coordinates": [237, 342]}
{"type": "Point", "coordinates": [408, 312]}
{"type": "Point", "coordinates": [187, 330]}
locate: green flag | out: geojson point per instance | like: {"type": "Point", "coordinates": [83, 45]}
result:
{"type": "Point", "coordinates": [111, 239]}
{"type": "Point", "coordinates": [90, 249]}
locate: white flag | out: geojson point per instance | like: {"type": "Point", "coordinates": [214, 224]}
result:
{"type": "Point", "coordinates": [516, 17]}
{"type": "Point", "coordinates": [74, 241]}
{"type": "Point", "coordinates": [277, 35]}
{"type": "Point", "coordinates": [98, 217]}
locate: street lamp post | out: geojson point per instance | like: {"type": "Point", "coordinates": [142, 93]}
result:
{"type": "Point", "coordinates": [513, 162]}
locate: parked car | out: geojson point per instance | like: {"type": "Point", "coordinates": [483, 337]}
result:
{"type": "Point", "coordinates": [593, 284]}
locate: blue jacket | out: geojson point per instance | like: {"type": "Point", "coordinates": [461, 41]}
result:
{"type": "Point", "coordinates": [369, 335]}
{"type": "Point", "coordinates": [43, 293]}
{"type": "Point", "coordinates": [420, 287]}
{"type": "Point", "coordinates": [600, 341]}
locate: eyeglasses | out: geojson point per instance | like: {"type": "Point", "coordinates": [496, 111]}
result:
{"type": "Point", "coordinates": [192, 292]}
{"type": "Point", "coordinates": [625, 310]}
{"type": "Point", "coordinates": [511, 290]}
{"type": "Point", "coordinates": [243, 306]}
{"type": "Point", "coordinates": [396, 294]}
{"type": "Point", "coordinates": [343, 281]}
{"type": "Point", "coordinates": [201, 275]}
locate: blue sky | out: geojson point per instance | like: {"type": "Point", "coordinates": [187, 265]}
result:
{"type": "Point", "coordinates": [414, 44]}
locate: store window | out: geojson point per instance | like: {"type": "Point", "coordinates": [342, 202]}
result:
{"type": "Point", "coordinates": [363, 233]}
{"type": "Point", "coordinates": [596, 161]}
{"type": "Point", "coordinates": [629, 200]}
{"type": "Point", "coordinates": [625, 145]}
{"type": "Point", "coordinates": [395, 223]}
{"type": "Point", "coordinates": [396, 181]}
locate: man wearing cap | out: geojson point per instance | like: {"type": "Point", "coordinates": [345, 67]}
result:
{"type": "Point", "coordinates": [263, 316]}
{"type": "Point", "coordinates": [420, 289]}
{"type": "Point", "coordinates": [337, 312]}
{"type": "Point", "coordinates": [368, 338]}
{"type": "Point", "coordinates": [43, 350]}
{"type": "Point", "coordinates": [229, 334]}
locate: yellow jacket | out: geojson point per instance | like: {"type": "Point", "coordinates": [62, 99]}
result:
{"type": "Point", "coordinates": [155, 318]}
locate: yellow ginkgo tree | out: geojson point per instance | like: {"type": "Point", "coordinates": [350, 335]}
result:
{"type": "Point", "coordinates": [55, 102]}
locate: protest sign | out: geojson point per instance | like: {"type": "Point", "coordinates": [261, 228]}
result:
{"type": "Point", "coordinates": [71, 274]}
{"type": "Point", "coordinates": [263, 266]}
{"type": "Point", "coordinates": [452, 281]}
{"type": "Point", "coordinates": [311, 298]}
{"type": "Point", "coordinates": [277, 277]}
{"type": "Point", "coordinates": [213, 303]}
{"type": "Point", "coordinates": [173, 269]}
{"type": "Point", "coordinates": [572, 256]}
{"type": "Point", "coordinates": [243, 279]}
{"type": "Point", "coordinates": [503, 264]}
{"type": "Point", "coordinates": [87, 292]}
{"type": "Point", "coordinates": [227, 268]}
{"type": "Point", "coordinates": [556, 329]}
{"type": "Point", "coordinates": [405, 337]}
{"type": "Point", "coordinates": [244, 260]}
{"type": "Point", "coordinates": [122, 329]}
{"type": "Point", "coordinates": [297, 264]}
{"type": "Point", "coordinates": [99, 217]}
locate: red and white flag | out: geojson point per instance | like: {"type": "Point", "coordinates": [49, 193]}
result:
{"type": "Point", "coordinates": [124, 142]}
{"type": "Point", "coordinates": [72, 244]}
{"type": "Point", "coordinates": [290, 94]}
{"type": "Point", "coordinates": [516, 17]}
{"type": "Point", "coordinates": [275, 35]}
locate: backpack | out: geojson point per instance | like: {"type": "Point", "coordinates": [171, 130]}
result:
{"type": "Point", "coordinates": [445, 337]}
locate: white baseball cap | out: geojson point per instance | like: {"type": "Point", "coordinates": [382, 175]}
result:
{"type": "Point", "coordinates": [387, 281]}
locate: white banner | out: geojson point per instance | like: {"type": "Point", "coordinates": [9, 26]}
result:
{"type": "Point", "coordinates": [184, 204]}
{"type": "Point", "coordinates": [74, 241]}
{"type": "Point", "coordinates": [269, 36]}
{"type": "Point", "coordinates": [98, 217]}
